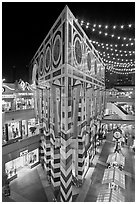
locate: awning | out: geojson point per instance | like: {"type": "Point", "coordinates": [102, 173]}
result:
{"type": "Point", "coordinates": [116, 157]}
{"type": "Point", "coordinates": [114, 175]}
{"type": "Point", "coordinates": [110, 195]}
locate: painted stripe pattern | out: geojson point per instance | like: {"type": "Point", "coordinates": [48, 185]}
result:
{"type": "Point", "coordinates": [65, 150]}
{"type": "Point", "coordinates": [54, 135]}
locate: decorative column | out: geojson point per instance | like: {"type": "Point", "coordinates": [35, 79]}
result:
{"type": "Point", "coordinates": [81, 133]}
{"type": "Point", "coordinates": [46, 127]}
{"type": "Point", "coordinates": [55, 137]}
{"type": "Point", "coordinates": [66, 151]}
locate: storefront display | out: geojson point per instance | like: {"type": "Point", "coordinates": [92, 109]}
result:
{"type": "Point", "coordinates": [33, 157]}
{"type": "Point", "coordinates": [4, 135]}
{"type": "Point", "coordinates": [10, 169]}
{"type": "Point", "coordinates": [32, 127]}
{"type": "Point", "coordinates": [24, 103]}
{"type": "Point", "coordinates": [20, 130]}
{"type": "Point", "coordinates": [14, 130]}
{"type": "Point", "coordinates": [6, 105]}
{"type": "Point", "coordinates": [26, 159]}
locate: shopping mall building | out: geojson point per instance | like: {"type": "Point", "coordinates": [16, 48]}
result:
{"type": "Point", "coordinates": [57, 119]}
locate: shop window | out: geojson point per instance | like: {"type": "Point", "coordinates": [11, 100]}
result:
{"type": "Point", "coordinates": [4, 135]}
{"type": "Point", "coordinates": [14, 130]}
{"type": "Point", "coordinates": [33, 128]}
{"type": "Point", "coordinates": [6, 105]}
{"type": "Point", "coordinates": [24, 103]}
{"type": "Point", "coordinates": [10, 169]}
{"type": "Point", "coordinates": [24, 160]}
{"type": "Point", "coordinates": [33, 157]}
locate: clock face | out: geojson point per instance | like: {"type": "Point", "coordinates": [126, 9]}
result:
{"type": "Point", "coordinates": [117, 134]}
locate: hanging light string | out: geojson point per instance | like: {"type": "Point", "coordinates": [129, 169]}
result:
{"type": "Point", "coordinates": [122, 73]}
{"type": "Point", "coordinates": [105, 26]}
{"type": "Point", "coordinates": [118, 71]}
{"type": "Point", "coordinates": [122, 65]}
{"type": "Point", "coordinates": [128, 52]}
{"type": "Point", "coordinates": [130, 67]}
{"type": "Point", "coordinates": [121, 69]}
{"type": "Point", "coordinates": [118, 59]}
{"type": "Point", "coordinates": [112, 45]}
{"type": "Point", "coordinates": [116, 54]}
{"type": "Point", "coordinates": [95, 28]}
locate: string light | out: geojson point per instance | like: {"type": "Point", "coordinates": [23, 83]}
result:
{"type": "Point", "coordinates": [125, 44]}
{"type": "Point", "coordinates": [129, 26]}
{"type": "Point", "coordinates": [118, 61]}
{"type": "Point", "coordinates": [111, 35]}
{"type": "Point", "coordinates": [119, 70]}
{"type": "Point", "coordinates": [106, 27]}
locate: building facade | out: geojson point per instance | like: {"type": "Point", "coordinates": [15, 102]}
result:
{"type": "Point", "coordinates": [20, 129]}
{"type": "Point", "coordinates": [68, 75]}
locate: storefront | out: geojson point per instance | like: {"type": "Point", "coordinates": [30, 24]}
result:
{"type": "Point", "coordinates": [26, 158]}
{"type": "Point", "coordinates": [24, 101]}
{"type": "Point", "coordinates": [20, 130]}
{"type": "Point", "coordinates": [17, 96]}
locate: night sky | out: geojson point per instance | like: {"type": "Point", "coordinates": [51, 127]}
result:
{"type": "Point", "coordinates": [25, 25]}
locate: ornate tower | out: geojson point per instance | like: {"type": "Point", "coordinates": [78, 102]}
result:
{"type": "Point", "coordinates": [69, 77]}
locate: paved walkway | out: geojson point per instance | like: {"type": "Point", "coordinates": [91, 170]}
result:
{"type": "Point", "coordinates": [30, 186]}
{"type": "Point", "coordinates": [93, 180]}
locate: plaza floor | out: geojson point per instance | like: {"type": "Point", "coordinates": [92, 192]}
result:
{"type": "Point", "coordinates": [95, 177]}
{"type": "Point", "coordinates": [32, 184]}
